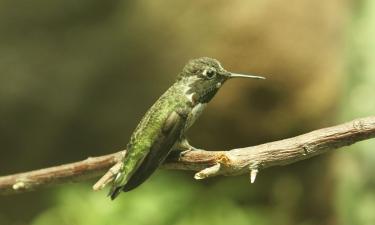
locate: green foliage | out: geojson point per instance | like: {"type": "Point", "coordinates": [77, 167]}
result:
{"type": "Point", "coordinates": [166, 199]}
{"type": "Point", "coordinates": [355, 198]}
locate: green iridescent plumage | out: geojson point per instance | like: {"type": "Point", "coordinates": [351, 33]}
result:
{"type": "Point", "coordinates": [165, 123]}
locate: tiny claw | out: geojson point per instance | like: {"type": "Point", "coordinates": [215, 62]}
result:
{"type": "Point", "coordinates": [253, 175]}
{"type": "Point", "coordinates": [183, 153]}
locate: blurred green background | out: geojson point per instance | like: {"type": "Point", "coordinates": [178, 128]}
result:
{"type": "Point", "coordinates": [77, 76]}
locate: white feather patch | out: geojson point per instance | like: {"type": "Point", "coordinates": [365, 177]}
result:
{"type": "Point", "coordinates": [195, 113]}
{"type": "Point", "coordinates": [190, 97]}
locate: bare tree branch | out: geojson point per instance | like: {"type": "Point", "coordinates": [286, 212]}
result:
{"type": "Point", "coordinates": [208, 163]}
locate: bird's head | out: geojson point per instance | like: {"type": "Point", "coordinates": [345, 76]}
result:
{"type": "Point", "coordinates": [204, 77]}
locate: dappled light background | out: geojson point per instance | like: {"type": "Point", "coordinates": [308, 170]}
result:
{"type": "Point", "coordinates": [77, 76]}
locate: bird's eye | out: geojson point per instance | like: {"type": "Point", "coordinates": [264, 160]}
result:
{"type": "Point", "coordinates": [209, 73]}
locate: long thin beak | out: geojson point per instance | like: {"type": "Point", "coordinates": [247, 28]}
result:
{"type": "Point", "coordinates": [237, 75]}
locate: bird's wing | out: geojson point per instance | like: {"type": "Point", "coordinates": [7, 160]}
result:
{"type": "Point", "coordinates": [161, 147]}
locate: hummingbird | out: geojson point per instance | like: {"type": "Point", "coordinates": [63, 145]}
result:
{"type": "Point", "coordinates": [163, 127]}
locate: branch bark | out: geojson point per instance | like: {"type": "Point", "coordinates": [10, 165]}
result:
{"type": "Point", "coordinates": [208, 163]}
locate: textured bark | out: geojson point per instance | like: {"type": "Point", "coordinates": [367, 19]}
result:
{"type": "Point", "coordinates": [208, 163]}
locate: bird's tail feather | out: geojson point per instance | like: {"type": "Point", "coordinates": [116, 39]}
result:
{"type": "Point", "coordinates": [114, 192]}
{"type": "Point", "coordinates": [118, 184]}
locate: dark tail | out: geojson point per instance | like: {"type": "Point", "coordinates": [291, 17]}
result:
{"type": "Point", "coordinates": [114, 192]}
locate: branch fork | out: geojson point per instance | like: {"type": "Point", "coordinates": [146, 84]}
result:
{"type": "Point", "coordinates": [221, 164]}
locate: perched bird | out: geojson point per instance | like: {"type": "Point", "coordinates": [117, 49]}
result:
{"type": "Point", "coordinates": [163, 127]}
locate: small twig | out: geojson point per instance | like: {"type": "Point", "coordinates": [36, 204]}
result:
{"type": "Point", "coordinates": [108, 177]}
{"type": "Point", "coordinates": [208, 163]}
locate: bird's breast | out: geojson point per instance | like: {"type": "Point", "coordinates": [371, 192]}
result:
{"type": "Point", "coordinates": [195, 113]}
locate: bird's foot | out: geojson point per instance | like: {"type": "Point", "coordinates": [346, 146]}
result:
{"type": "Point", "coordinates": [184, 147]}
{"type": "Point", "coordinates": [183, 153]}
